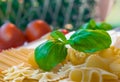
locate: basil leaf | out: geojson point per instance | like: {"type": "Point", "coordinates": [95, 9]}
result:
{"type": "Point", "coordinates": [96, 26]}
{"type": "Point", "coordinates": [50, 54]}
{"type": "Point", "coordinates": [87, 40]}
{"type": "Point", "coordinates": [90, 25]}
{"type": "Point", "coordinates": [58, 35]}
{"type": "Point", "coordinates": [104, 26]}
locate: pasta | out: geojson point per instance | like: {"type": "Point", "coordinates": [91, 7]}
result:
{"type": "Point", "coordinates": [103, 66]}
{"type": "Point", "coordinates": [78, 73]}
{"type": "Point", "coordinates": [96, 61]}
{"type": "Point", "coordinates": [109, 54]}
{"type": "Point", "coordinates": [91, 75]}
{"type": "Point", "coordinates": [81, 73]}
{"type": "Point", "coordinates": [115, 67]}
{"type": "Point", "coordinates": [74, 56]}
{"type": "Point", "coordinates": [21, 73]}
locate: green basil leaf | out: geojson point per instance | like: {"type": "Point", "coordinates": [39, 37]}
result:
{"type": "Point", "coordinates": [50, 54]}
{"type": "Point", "coordinates": [104, 26]}
{"type": "Point", "coordinates": [87, 40]}
{"type": "Point", "coordinates": [90, 25]}
{"type": "Point", "coordinates": [58, 35]}
{"type": "Point", "coordinates": [94, 26]}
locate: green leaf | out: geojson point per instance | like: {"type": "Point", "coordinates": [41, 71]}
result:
{"type": "Point", "coordinates": [96, 26]}
{"type": "Point", "coordinates": [50, 54]}
{"type": "Point", "coordinates": [90, 25]}
{"type": "Point", "coordinates": [104, 26]}
{"type": "Point", "coordinates": [89, 41]}
{"type": "Point", "coordinates": [58, 35]}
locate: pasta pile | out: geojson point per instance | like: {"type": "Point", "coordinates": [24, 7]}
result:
{"type": "Point", "coordinates": [103, 66]}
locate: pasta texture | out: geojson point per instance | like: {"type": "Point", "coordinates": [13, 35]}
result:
{"type": "Point", "coordinates": [102, 66]}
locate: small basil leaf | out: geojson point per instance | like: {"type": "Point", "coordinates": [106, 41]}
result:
{"type": "Point", "coordinates": [104, 26]}
{"type": "Point", "coordinates": [87, 40]}
{"type": "Point", "coordinates": [94, 26]}
{"type": "Point", "coordinates": [50, 54]}
{"type": "Point", "coordinates": [90, 25]}
{"type": "Point", "coordinates": [58, 35]}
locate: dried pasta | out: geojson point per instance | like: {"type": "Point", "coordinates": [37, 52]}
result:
{"type": "Point", "coordinates": [115, 67]}
{"type": "Point", "coordinates": [103, 66]}
{"type": "Point", "coordinates": [96, 61]}
{"type": "Point", "coordinates": [74, 56]}
{"type": "Point", "coordinates": [21, 73]}
{"type": "Point", "coordinates": [85, 74]}
{"type": "Point", "coordinates": [78, 73]}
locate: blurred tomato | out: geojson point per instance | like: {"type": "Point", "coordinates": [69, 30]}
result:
{"type": "Point", "coordinates": [10, 36]}
{"type": "Point", "coordinates": [36, 29]}
{"type": "Point", "coordinates": [64, 31]}
{"type": "Point", "coordinates": [0, 50]}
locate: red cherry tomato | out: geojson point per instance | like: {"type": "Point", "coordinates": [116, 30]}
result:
{"type": "Point", "coordinates": [10, 36]}
{"type": "Point", "coordinates": [64, 31]}
{"type": "Point", "coordinates": [36, 29]}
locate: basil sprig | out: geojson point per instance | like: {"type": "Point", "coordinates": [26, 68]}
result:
{"type": "Point", "coordinates": [52, 52]}
{"type": "Point", "coordinates": [96, 26]}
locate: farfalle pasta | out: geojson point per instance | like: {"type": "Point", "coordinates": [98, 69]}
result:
{"type": "Point", "coordinates": [22, 73]}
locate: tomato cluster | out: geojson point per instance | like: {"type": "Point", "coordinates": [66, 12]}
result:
{"type": "Point", "coordinates": [11, 36]}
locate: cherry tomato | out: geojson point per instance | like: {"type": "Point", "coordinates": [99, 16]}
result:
{"type": "Point", "coordinates": [36, 29]}
{"type": "Point", "coordinates": [64, 31]}
{"type": "Point", "coordinates": [10, 36]}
